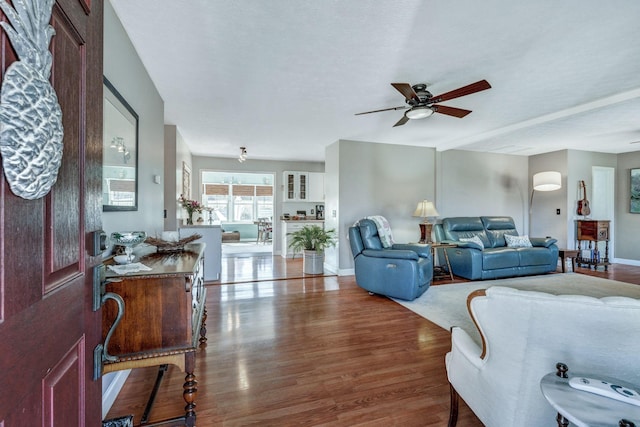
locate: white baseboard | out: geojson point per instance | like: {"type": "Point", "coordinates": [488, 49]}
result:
{"type": "Point", "coordinates": [626, 261]}
{"type": "Point", "coordinates": [346, 272]}
{"type": "Point", "coordinates": [113, 388]}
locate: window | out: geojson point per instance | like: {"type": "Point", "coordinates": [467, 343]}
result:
{"type": "Point", "coordinates": [233, 202]}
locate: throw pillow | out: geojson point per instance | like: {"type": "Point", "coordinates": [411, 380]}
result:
{"type": "Point", "coordinates": [474, 239]}
{"type": "Point", "coordinates": [517, 241]}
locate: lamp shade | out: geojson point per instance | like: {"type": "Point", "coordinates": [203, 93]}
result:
{"type": "Point", "coordinates": [425, 209]}
{"type": "Point", "coordinates": [419, 112]}
{"type": "Point", "coordinates": [547, 181]}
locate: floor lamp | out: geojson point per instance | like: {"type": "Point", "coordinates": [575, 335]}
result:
{"type": "Point", "coordinates": [425, 210]}
{"type": "Point", "coordinates": [544, 181]}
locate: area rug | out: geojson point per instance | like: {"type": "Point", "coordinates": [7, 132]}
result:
{"type": "Point", "coordinates": [446, 304]}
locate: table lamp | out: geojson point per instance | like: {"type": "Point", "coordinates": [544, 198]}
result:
{"type": "Point", "coordinates": [425, 210]}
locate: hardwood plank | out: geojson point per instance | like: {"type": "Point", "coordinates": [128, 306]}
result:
{"type": "Point", "coordinates": [316, 351]}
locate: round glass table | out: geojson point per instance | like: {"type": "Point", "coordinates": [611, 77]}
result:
{"type": "Point", "coordinates": [585, 409]}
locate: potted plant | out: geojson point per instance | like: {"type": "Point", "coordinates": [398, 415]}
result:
{"type": "Point", "coordinates": [312, 240]}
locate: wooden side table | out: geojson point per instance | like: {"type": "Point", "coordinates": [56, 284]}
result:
{"type": "Point", "coordinates": [593, 231]}
{"type": "Point", "coordinates": [568, 253]}
{"type": "Point", "coordinates": [442, 246]}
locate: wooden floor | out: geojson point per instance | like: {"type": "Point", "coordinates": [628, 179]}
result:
{"type": "Point", "coordinates": [312, 351]}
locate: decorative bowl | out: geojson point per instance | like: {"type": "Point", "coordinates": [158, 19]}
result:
{"type": "Point", "coordinates": [121, 259]}
{"type": "Point", "coordinates": [128, 238]}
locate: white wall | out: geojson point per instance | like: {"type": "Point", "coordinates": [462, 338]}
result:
{"type": "Point", "coordinates": [125, 71]}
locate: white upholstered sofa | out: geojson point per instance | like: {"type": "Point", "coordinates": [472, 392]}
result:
{"type": "Point", "coordinates": [524, 334]}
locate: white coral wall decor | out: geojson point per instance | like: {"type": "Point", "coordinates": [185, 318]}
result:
{"type": "Point", "coordinates": [31, 130]}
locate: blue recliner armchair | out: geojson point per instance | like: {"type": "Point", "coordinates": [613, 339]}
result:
{"type": "Point", "coordinates": [402, 271]}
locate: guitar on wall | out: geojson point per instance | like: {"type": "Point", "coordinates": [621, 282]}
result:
{"type": "Point", "coordinates": [583, 205]}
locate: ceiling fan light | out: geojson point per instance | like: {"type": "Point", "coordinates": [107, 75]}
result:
{"type": "Point", "coordinates": [419, 112]}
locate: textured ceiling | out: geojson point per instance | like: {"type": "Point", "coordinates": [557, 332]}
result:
{"type": "Point", "coordinates": [285, 77]}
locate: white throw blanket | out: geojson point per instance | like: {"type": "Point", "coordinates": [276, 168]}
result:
{"type": "Point", "coordinates": [384, 230]}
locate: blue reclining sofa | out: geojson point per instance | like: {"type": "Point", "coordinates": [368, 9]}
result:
{"type": "Point", "coordinates": [401, 271]}
{"type": "Point", "coordinates": [494, 258]}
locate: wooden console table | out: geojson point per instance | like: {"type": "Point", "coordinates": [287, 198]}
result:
{"type": "Point", "coordinates": [593, 231]}
{"type": "Point", "coordinates": [162, 322]}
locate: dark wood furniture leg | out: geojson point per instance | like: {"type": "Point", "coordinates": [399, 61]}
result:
{"type": "Point", "coordinates": [453, 408]}
{"type": "Point", "coordinates": [562, 421]}
{"type": "Point", "coordinates": [570, 253]}
{"type": "Point", "coordinates": [152, 397]}
{"type": "Point", "coordinates": [203, 328]}
{"type": "Point", "coordinates": [190, 389]}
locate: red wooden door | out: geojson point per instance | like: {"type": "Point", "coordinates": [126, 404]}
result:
{"type": "Point", "coordinates": [47, 327]}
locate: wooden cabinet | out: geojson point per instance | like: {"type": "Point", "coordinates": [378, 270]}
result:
{"type": "Point", "coordinates": [591, 232]}
{"type": "Point", "coordinates": [162, 317]}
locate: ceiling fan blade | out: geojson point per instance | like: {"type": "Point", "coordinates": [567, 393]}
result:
{"type": "Point", "coordinates": [406, 90]}
{"type": "Point", "coordinates": [402, 121]}
{"type": "Point", "coordinates": [465, 90]}
{"type": "Point", "coordinates": [384, 109]}
{"type": "Point", "coordinates": [451, 111]}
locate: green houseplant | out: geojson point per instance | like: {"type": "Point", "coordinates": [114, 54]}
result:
{"type": "Point", "coordinates": [312, 240]}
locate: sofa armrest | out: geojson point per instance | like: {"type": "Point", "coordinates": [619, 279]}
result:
{"type": "Point", "coordinates": [466, 245]}
{"type": "Point", "coordinates": [423, 250]}
{"type": "Point", "coordinates": [390, 253]}
{"type": "Point", "coordinates": [543, 242]}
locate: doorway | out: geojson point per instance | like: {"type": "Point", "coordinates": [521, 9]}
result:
{"type": "Point", "coordinates": [243, 203]}
{"type": "Point", "coordinates": [603, 201]}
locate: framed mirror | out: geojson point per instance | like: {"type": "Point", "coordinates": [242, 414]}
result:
{"type": "Point", "coordinates": [119, 153]}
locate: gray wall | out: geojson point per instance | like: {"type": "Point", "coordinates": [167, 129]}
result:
{"type": "Point", "coordinates": [580, 164]}
{"type": "Point", "coordinates": [364, 179]}
{"type": "Point", "coordinates": [627, 224]}
{"type": "Point", "coordinates": [251, 165]}
{"type": "Point", "coordinates": [543, 217]}
{"type": "Point", "coordinates": [176, 154]}
{"type": "Point", "coordinates": [575, 166]}
{"type": "Point", "coordinates": [125, 71]}
{"type": "Point", "coordinates": [473, 184]}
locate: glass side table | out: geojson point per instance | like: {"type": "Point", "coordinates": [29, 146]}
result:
{"type": "Point", "coordinates": [582, 408]}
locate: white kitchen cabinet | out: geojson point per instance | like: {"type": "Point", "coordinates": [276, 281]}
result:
{"type": "Point", "coordinates": [316, 187]}
{"type": "Point", "coordinates": [289, 227]}
{"type": "Point", "coordinates": [296, 186]}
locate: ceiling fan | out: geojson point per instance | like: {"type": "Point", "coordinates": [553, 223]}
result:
{"type": "Point", "coordinates": [423, 104]}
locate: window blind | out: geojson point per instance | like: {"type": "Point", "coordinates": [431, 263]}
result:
{"type": "Point", "coordinates": [122, 185]}
{"type": "Point", "coordinates": [264, 190]}
{"type": "Point", "coordinates": [243, 190]}
{"type": "Point", "coordinates": [216, 189]}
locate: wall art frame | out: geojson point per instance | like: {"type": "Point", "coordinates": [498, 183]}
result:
{"type": "Point", "coordinates": [634, 191]}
